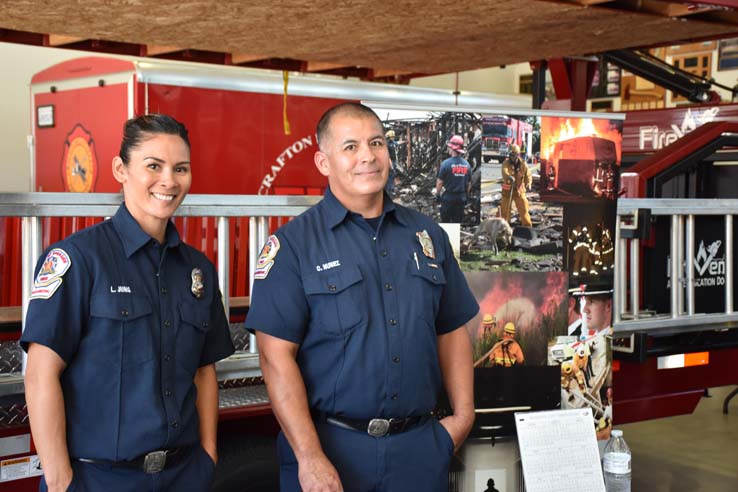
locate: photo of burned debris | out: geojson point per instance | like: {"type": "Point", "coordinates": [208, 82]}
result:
{"type": "Point", "coordinates": [590, 237]}
{"type": "Point", "coordinates": [584, 354]}
{"type": "Point", "coordinates": [580, 159]}
{"type": "Point", "coordinates": [517, 231]}
{"type": "Point", "coordinates": [519, 313]}
{"type": "Point", "coordinates": [436, 158]}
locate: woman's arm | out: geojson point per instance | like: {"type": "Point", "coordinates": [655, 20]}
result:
{"type": "Point", "coordinates": [207, 409]}
{"type": "Point", "coordinates": [46, 412]}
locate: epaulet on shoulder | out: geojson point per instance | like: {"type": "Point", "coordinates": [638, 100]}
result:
{"type": "Point", "coordinates": [299, 221]}
{"type": "Point", "coordinates": [80, 238]}
{"type": "Point", "coordinates": [419, 218]}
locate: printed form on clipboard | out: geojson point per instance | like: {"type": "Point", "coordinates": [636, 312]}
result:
{"type": "Point", "coordinates": [550, 442]}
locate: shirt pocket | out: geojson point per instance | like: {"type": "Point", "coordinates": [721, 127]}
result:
{"type": "Point", "coordinates": [123, 320]}
{"type": "Point", "coordinates": [337, 299]}
{"type": "Point", "coordinates": [427, 284]}
{"type": "Point", "coordinates": [193, 330]}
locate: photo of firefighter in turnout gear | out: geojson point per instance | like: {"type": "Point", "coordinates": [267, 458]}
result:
{"type": "Point", "coordinates": [590, 252]}
{"type": "Point", "coordinates": [580, 159]}
{"type": "Point", "coordinates": [519, 313]}
{"type": "Point", "coordinates": [516, 180]}
{"type": "Point", "coordinates": [585, 354]}
{"type": "Point", "coordinates": [435, 163]}
{"type": "Point", "coordinates": [507, 352]}
{"type": "Point", "coordinates": [517, 231]}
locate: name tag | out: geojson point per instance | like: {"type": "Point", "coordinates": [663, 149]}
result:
{"type": "Point", "coordinates": [328, 266]}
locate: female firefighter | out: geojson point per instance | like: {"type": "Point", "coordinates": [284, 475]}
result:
{"type": "Point", "coordinates": [122, 332]}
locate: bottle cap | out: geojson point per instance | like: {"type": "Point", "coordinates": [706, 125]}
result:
{"type": "Point", "coordinates": [616, 433]}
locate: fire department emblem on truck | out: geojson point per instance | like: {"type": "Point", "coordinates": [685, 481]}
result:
{"type": "Point", "coordinates": [79, 164]}
{"type": "Point", "coordinates": [710, 269]}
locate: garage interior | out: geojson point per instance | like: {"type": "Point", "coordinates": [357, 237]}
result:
{"type": "Point", "coordinates": [398, 42]}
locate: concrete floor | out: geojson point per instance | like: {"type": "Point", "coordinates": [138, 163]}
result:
{"type": "Point", "coordinates": [697, 452]}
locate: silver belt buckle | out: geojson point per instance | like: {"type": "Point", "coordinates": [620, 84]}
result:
{"type": "Point", "coordinates": [154, 461]}
{"type": "Point", "coordinates": [378, 427]}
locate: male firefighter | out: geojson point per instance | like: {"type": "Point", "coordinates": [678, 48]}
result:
{"type": "Point", "coordinates": [489, 324]}
{"type": "Point", "coordinates": [454, 177]}
{"type": "Point", "coordinates": [581, 248]}
{"type": "Point", "coordinates": [360, 310]}
{"type": "Point", "coordinates": [516, 179]}
{"type": "Point", "coordinates": [507, 352]}
{"type": "Point", "coordinates": [605, 250]}
{"type": "Point", "coordinates": [597, 309]}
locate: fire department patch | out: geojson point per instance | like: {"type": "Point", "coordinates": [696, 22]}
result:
{"type": "Point", "coordinates": [266, 258]}
{"type": "Point", "coordinates": [49, 278]}
{"type": "Point", "coordinates": [79, 164]}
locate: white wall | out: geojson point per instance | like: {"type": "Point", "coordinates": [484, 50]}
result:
{"type": "Point", "coordinates": [19, 63]}
{"type": "Point", "coordinates": [496, 80]}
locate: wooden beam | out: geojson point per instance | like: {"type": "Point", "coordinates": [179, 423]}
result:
{"type": "Point", "coordinates": [384, 72]}
{"type": "Point", "coordinates": [156, 49]}
{"type": "Point", "coordinates": [590, 2]}
{"type": "Point", "coordinates": [316, 66]}
{"type": "Point", "coordinates": [60, 40]}
{"type": "Point", "coordinates": [238, 58]}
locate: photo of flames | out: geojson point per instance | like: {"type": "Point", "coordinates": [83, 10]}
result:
{"type": "Point", "coordinates": [536, 303]}
{"type": "Point", "coordinates": [580, 159]}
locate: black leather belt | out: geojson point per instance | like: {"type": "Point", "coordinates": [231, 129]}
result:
{"type": "Point", "coordinates": [152, 462]}
{"type": "Point", "coordinates": [375, 427]}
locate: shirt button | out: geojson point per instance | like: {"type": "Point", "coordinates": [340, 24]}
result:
{"type": "Point", "coordinates": [163, 290]}
{"type": "Point", "coordinates": [167, 323]}
{"type": "Point", "coordinates": [434, 277]}
{"type": "Point", "coordinates": [124, 312]}
{"type": "Point", "coordinates": [395, 396]}
{"type": "Point", "coordinates": [396, 359]}
{"type": "Point", "coordinates": [175, 424]}
{"type": "Point", "coordinates": [167, 358]}
{"type": "Point", "coordinates": [205, 324]}
{"type": "Point", "coordinates": [393, 322]}
{"type": "Point", "coordinates": [167, 393]}
{"type": "Point", "coordinates": [332, 287]}
{"type": "Point", "coordinates": [383, 252]}
{"type": "Point", "coordinates": [388, 286]}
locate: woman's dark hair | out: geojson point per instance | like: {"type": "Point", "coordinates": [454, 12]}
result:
{"type": "Point", "coordinates": [141, 128]}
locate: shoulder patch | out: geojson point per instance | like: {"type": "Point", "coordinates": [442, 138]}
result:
{"type": "Point", "coordinates": [49, 278]}
{"type": "Point", "coordinates": [266, 258]}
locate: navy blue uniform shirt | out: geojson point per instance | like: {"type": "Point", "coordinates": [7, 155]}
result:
{"type": "Point", "coordinates": [455, 173]}
{"type": "Point", "coordinates": [124, 319]}
{"type": "Point", "coordinates": [366, 308]}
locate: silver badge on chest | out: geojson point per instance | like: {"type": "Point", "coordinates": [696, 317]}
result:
{"type": "Point", "coordinates": [197, 288]}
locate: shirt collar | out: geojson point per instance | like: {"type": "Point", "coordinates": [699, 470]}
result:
{"type": "Point", "coordinates": [133, 237]}
{"type": "Point", "coordinates": [336, 213]}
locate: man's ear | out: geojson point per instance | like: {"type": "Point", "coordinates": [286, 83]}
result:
{"type": "Point", "coordinates": [322, 163]}
{"type": "Point", "coordinates": [119, 169]}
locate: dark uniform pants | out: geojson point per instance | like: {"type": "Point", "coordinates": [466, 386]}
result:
{"type": "Point", "coordinates": [194, 473]}
{"type": "Point", "coordinates": [452, 210]}
{"type": "Point", "coordinates": [413, 461]}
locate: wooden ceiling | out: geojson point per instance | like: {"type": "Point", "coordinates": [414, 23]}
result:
{"type": "Point", "coordinates": [370, 39]}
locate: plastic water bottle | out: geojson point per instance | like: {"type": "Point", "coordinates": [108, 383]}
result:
{"type": "Point", "coordinates": [616, 463]}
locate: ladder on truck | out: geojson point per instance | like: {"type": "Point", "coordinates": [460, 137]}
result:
{"type": "Point", "coordinates": [631, 324]}
{"type": "Point", "coordinates": [261, 211]}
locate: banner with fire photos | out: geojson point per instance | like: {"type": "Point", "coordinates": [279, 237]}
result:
{"type": "Point", "coordinates": [534, 236]}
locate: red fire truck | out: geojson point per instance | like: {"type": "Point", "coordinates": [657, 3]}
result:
{"type": "Point", "coordinates": [500, 132]}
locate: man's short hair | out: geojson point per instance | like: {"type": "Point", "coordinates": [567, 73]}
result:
{"type": "Point", "coordinates": [354, 109]}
